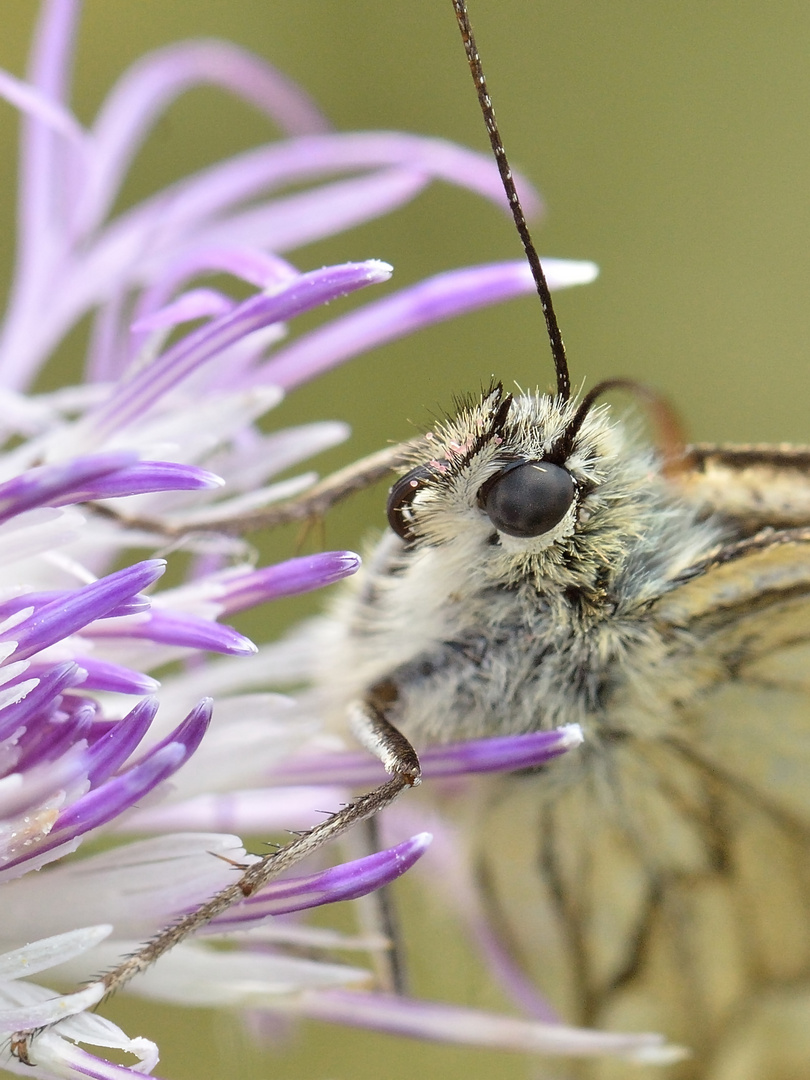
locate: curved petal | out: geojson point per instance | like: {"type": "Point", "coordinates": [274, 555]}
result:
{"type": "Point", "coordinates": [436, 1021]}
{"type": "Point", "coordinates": [40, 157]}
{"type": "Point", "coordinates": [146, 90]}
{"type": "Point", "coordinates": [289, 578]}
{"type": "Point", "coordinates": [435, 299]}
{"type": "Point", "coordinates": [134, 396]}
{"type": "Point", "coordinates": [58, 620]}
{"type": "Point", "coordinates": [506, 753]}
{"type": "Point", "coordinates": [28, 99]}
{"type": "Point", "coordinates": [345, 882]}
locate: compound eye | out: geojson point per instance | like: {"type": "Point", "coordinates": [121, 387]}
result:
{"type": "Point", "coordinates": [527, 498]}
{"type": "Point", "coordinates": [400, 498]}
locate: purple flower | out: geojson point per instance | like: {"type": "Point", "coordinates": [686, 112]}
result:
{"type": "Point", "coordinates": [160, 448]}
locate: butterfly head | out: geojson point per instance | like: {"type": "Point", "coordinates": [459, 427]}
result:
{"type": "Point", "coordinates": [525, 487]}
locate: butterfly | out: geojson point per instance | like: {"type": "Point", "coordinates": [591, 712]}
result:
{"type": "Point", "coordinates": [544, 568]}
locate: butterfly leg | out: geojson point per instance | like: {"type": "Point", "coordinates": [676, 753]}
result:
{"type": "Point", "coordinates": [379, 917]}
{"type": "Point", "coordinates": [311, 505]}
{"type": "Point", "coordinates": [377, 734]}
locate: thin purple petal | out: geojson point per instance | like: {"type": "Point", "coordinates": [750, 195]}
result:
{"type": "Point", "coordinates": [49, 72]}
{"type": "Point", "coordinates": [308, 291]}
{"type": "Point", "coordinates": [190, 731]}
{"type": "Point", "coordinates": [45, 110]}
{"type": "Point", "coordinates": [114, 748]}
{"type": "Point", "coordinates": [150, 85]}
{"type": "Point", "coordinates": [433, 300]}
{"type": "Point", "coordinates": [104, 803]}
{"type": "Point", "coordinates": [44, 694]}
{"type": "Point", "coordinates": [114, 678]}
{"type": "Point", "coordinates": [38, 600]}
{"type": "Point", "coordinates": [149, 476]}
{"type": "Point", "coordinates": [105, 477]}
{"type": "Point", "coordinates": [346, 882]}
{"type": "Point", "coordinates": [50, 485]}
{"type": "Point", "coordinates": [284, 224]}
{"type": "Point", "coordinates": [288, 579]}
{"type": "Point", "coordinates": [437, 1022]}
{"type": "Point", "coordinates": [190, 306]}
{"type": "Point", "coordinates": [508, 753]}
{"type": "Point", "coordinates": [54, 741]}
{"type": "Point", "coordinates": [174, 628]}
{"type": "Point", "coordinates": [258, 268]}
{"type": "Point", "coordinates": [436, 299]}
{"type": "Point", "coordinates": [60, 619]}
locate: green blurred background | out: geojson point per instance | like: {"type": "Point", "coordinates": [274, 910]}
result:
{"type": "Point", "coordinates": [671, 145]}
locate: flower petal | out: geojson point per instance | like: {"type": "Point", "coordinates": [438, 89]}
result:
{"type": "Point", "coordinates": [114, 678]}
{"type": "Point", "coordinates": [113, 797]}
{"type": "Point", "coordinates": [42, 160]}
{"type": "Point", "coordinates": [51, 484]}
{"type": "Point", "coordinates": [438, 1022]}
{"type": "Point", "coordinates": [28, 99]}
{"type": "Point", "coordinates": [508, 753]}
{"type": "Point", "coordinates": [134, 397]}
{"type": "Point", "coordinates": [114, 748]}
{"type": "Point", "coordinates": [305, 217]}
{"type": "Point", "coordinates": [435, 299]}
{"type": "Point", "coordinates": [116, 795]}
{"type": "Point", "coordinates": [48, 687]}
{"type": "Point", "coordinates": [178, 629]}
{"type": "Point", "coordinates": [288, 579]}
{"type": "Point", "coordinates": [150, 85]}
{"type": "Point", "coordinates": [57, 620]}
{"type": "Point", "coordinates": [48, 952]}
{"type": "Point", "coordinates": [53, 1009]}
{"type": "Point", "coordinates": [345, 882]}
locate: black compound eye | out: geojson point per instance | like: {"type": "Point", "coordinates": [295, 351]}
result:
{"type": "Point", "coordinates": [400, 498]}
{"type": "Point", "coordinates": [527, 498]}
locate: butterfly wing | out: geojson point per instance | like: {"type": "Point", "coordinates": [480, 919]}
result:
{"type": "Point", "coordinates": [754, 486]}
{"type": "Point", "coordinates": [668, 888]}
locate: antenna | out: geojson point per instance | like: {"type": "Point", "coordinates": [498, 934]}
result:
{"type": "Point", "coordinates": [484, 100]}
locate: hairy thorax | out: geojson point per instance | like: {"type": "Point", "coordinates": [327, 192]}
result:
{"type": "Point", "coordinates": [470, 657]}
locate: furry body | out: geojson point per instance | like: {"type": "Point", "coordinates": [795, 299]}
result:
{"type": "Point", "coordinates": [488, 634]}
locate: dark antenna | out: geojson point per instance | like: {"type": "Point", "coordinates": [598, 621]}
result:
{"type": "Point", "coordinates": [484, 100]}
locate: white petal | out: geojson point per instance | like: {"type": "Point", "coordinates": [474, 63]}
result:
{"type": "Point", "coordinates": [12, 694]}
{"type": "Point", "coordinates": [13, 671]}
{"type": "Point", "coordinates": [36, 1010]}
{"type": "Point", "coordinates": [33, 532]}
{"type": "Point", "coordinates": [560, 273]}
{"type": "Point", "coordinates": [193, 974]}
{"type": "Point", "coordinates": [138, 887]}
{"type": "Point", "coordinates": [257, 812]}
{"type": "Point", "coordinates": [226, 509]}
{"type": "Point", "coordinates": [51, 1051]}
{"type": "Point", "coordinates": [41, 860]}
{"type": "Point", "coordinates": [50, 951]}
